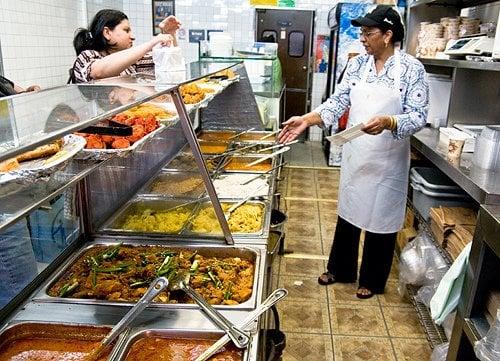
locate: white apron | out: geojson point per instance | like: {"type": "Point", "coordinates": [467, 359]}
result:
{"type": "Point", "coordinates": [374, 173]}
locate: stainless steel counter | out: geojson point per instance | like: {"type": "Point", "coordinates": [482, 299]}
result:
{"type": "Point", "coordinates": [481, 184]}
{"type": "Point", "coordinates": [489, 221]}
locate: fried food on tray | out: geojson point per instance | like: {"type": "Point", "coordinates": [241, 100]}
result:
{"type": "Point", "coordinates": [8, 165]}
{"type": "Point", "coordinates": [192, 93]}
{"type": "Point", "coordinates": [124, 272]}
{"type": "Point", "coordinates": [141, 126]}
{"type": "Point", "coordinates": [246, 218]}
{"type": "Point", "coordinates": [173, 185]}
{"type": "Point", "coordinates": [146, 110]}
{"type": "Point", "coordinates": [41, 152]}
{"type": "Point", "coordinates": [227, 72]}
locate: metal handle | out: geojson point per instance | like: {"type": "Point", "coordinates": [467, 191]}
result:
{"type": "Point", "coordinates": [273, 298]}
{"type": "Point", "coordinates": [239, 337]}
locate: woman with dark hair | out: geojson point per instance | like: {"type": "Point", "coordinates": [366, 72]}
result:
{"type": "Point", "coordinates": [388, 92]}
{"type": "Point", "coordinates": [106, 48]}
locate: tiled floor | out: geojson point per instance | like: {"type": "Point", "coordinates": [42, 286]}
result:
{"type": "Point", "coordinates": [330, 323]}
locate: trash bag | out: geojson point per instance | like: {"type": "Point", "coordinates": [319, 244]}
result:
{"type": "Point", "coordinates": [488, 348]}
{"type": "Point", "coordinates": [440, 352]}
{"type": "Point", "coordinates": [420, 263]}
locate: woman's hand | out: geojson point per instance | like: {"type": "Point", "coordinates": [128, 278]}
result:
{"type": "Point", "coordinates": [33, 88]}
{"type": "Point", "coordinates": [293, 127]}
{"type": "Point", "coordinates": [163, 39]}
{"type": "Point", "coordinates": [170, 25]}
{"type": "Point", "coordinates": [377, 124]}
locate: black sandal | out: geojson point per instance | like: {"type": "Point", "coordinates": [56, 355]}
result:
{"type": "Point", "coordinates": [330, 279]}
{"type": "Point", "coordinates": [363, 296]}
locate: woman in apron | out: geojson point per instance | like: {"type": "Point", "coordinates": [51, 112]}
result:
{"type": "Point", "coordinates": [388, 92]}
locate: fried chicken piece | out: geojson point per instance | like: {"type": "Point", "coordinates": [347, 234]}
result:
{"type": "Point", "coordinates": [94, 141]}
{"type": "Point", "coordinates": [137, 133]}
{"type": "Point", "coordinates": [120, 143]}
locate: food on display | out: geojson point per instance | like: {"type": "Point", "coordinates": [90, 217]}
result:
{"type": "Point", "coordinates": [216, 135]}
{"type": "Point", "coordinates": [192, 93]}
{"type": "Point", "coordinates": [124, 272]}
{"type": "Point", "coordinates": [167, 349]}
{"type": "Point", "coordinates": [247, 218]}
{"type": "Point", "coordinates": [230, 186]}
{"type": "Point", "coordinates": [186, 161]}
{"type": "Point", "coordinates": [241, 164]}
{"type": "Point", "coordinates": [149, 220]}
{"type": "Point", "coordinates": [213, 147]}
{"type": "Point", "coordinates": [141, 126]}
{"type": "Point", "coordinates": [173, 184]}
{"type": "Point", "coordinates": [41, 152]}
{"type": "Point", "coordinates": [227, 72]}
{"type": "Point", "coordinates": [9, 165]}
{"type": "Point", "coordinates": [146, 110]}
{"type": "Point", "coordinates": [257, 136]}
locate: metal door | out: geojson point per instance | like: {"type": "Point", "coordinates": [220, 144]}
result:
{"type": "Point", "coordinates": [293, 30]}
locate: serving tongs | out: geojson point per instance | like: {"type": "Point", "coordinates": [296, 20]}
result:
{"type": "Point", "coordinates": [277, 146]}
{"type": "Point", "coordinates": [247, 323]}
{"type": "Point", "coordinates": [114, 128]}
{"type": "Point", "coordinates": [237, 135]}
{"type": "Point", "coordinates": [232, 151]}
{"type": "Point", "coordinates": [157, 286]}
{"type": "Point", "coordinates": [262, 174]}
{"type": "Point", "coordinates": [270, 134]}
{"type": "Point", "coordinates": [260, 160]}
{"type": "Point", "coordinates": [181, 282]}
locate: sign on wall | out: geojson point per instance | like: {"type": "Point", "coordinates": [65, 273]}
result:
{"type": "Point", "coordinates": [161, 9]}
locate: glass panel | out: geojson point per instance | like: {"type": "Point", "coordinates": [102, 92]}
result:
{"type": "Point", "coordinates": [296, 44]}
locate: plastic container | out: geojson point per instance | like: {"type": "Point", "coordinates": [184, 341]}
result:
{"type": "Point", "coordinates": [431, 188]}
{"type": "Point", "coordinates": [487, 148]}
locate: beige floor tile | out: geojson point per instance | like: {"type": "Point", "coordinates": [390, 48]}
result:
{"type": "Point", "coordinates": [359, 320]}
{"type": "Point", "coordinates": [391, 297]}
{"type": "Point", "coordinates": [299, 266]}
{"type": "Point", "coordinates": [328, 209]}
{"type": "Point", "coordinates": [345, 294]}
{"type": "Point", "coordinates": [303, 245]}
{"type": "Point", "coordinates": [326, 175]}
{"type": "Point", "coordinates": [303, 215]}
{"type": "Point", "coordinates": [410, 349]}
{"type": "Point", "coordinates": [394, 275]}
{"type": "Point", "coordinates": [303, 288]}
{"type": "Point", "coordinates": [302, 191]}
{"type": "Point", "coordinates": [306, 206]}
{"type": "Point", "coordinates": [301, 175]}
{"type": "Point", "coordinates": [300, 316]}
{"type": "Point", "coordinates": [403, 322]}
{"type": "Point", "coordinates": [363, 349]}
{"type": "Point", "coordinates": [306, 347]}
{"type": "Point", "coordinates": [303, 230]}
{"type": "Point", "coordinates": [328, 229]}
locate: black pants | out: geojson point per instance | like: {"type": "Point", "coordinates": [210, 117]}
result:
{"type": "Point", "coordinates": [376, 263]}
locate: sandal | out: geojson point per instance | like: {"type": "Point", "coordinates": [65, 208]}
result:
{"type": "Point", "coordinates": [326, 278]}
{"type": "Point", "coordinates": [364, 293]}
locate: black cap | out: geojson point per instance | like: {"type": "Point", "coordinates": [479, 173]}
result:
{"type": "Point", "coordinates": [385, 17]}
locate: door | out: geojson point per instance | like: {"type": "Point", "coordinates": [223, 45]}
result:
{"type": "Point", "coordinates": [293, 31]}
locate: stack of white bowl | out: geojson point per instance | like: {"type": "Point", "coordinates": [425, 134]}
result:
{"type": "Point", "coordinates": [451, 27]}
{"type": "Point", "coordinates": [468, 26]}
{"type": "Point", "coordinates": [430, 40]}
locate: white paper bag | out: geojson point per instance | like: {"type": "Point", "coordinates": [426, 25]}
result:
{"type": "Point", "coordinates": [170, 66]}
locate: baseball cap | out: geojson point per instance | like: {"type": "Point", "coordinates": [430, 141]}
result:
{"type": "Point", "coordinates": [384, 17]}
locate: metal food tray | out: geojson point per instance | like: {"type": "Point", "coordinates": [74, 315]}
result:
{"type": "Point", "coordinates": [266, 213]}
{"type": "Point", "coordinates": [245, 252]}
{"type": "Point", "coordinates": [138, 204]}
{"type": "Point", "coordinates": [219, 143]}
{"type": "Point", "coordinates": [56, 330]}
{"type": "Point", "coordinates": [253, 150]}
{"type": "Point", "coordinates": [173, 176]}
{"type": "Point", "coordinates": [212, 135]}
{"type": "Point", "coordinates": [249, 159]}
{"type": "Point", "coordinates": [173, 334]}
{"type": "Point", "coordinates": [184, 161]}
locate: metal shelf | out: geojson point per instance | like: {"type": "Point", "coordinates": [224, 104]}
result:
{"type": "Point", "coordinates": [455, 3]}
{"type": "Point", "coordinates": [427, 229]}
{"type": "Point", "coordinates": [462, 64]}
{"type": "Point", "coordinates": [476, 328]}
{"type": "Point", "coordinates": [434, 333]}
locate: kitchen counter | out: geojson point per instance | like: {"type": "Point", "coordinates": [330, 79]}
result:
{"type": "Point", "coordinates": [481, 184]}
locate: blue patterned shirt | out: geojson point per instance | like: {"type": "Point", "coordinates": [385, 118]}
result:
{"type": "Point", "coordinates": [414, 92]}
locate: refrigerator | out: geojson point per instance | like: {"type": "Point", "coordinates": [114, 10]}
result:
{"type": "Point", "coordinates": [344, 38]}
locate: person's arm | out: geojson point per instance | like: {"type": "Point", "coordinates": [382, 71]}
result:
{"type": "Point", "coordinates": [113, 64]}
{"type": "Point", "coordinates": [170, 25]}
{"type": "Point", "coordinates": [415, 108]}
{"type": "Point", "coordinates": [31, 88]}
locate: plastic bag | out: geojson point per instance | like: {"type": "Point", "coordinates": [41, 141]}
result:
{"type": "Point", "coordinates": [448, 324]}
{"type": "Point", "coordinates": [440, 352]}
{"type": "Point", "coordinates": [425, 293]}
{"type": "Point", "coordinates": [420, 263]}
{"type": "Point", "coordinates": [170, 66]}
{"type": "Point", "coordinates": [488, 348]}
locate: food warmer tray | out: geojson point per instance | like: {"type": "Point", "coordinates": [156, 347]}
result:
{"type": "Point", "coordinates": [248, 158]}
{"type": "Point", "coordinates": [255, 253]}
{"type": "Point", "coordinates": [138, 334]}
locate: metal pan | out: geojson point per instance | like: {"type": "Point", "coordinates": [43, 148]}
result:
{"type": "Point", "coordinates": [217, 135]}
{"type": "Point", "coordinates": [138, 205]}
{"type": "Point", "coordinates": [259, 233]}
{"type": "Point", "coordinates": [173, 334]}
{"type": "Point", "coordinates": [16, 332]}
{"type": "Point", "coordinates": [213, 147]}
{"type": "Point", "coordinates": [237, 164]}
{"type": "Point", "coordinates": [247, 252]}
{"type": "Point", "coordinates": [174, 184]}
{"type": "Point", "coordinates": [255, 136]}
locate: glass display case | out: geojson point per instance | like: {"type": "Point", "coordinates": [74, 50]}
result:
{"type": "Point", "coordinates": [265, 76]}
{"type": "Point", "coordinates": [140, 185]}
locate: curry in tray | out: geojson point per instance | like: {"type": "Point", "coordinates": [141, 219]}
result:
{"type": "Point", "coordinates": [124, 272]}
